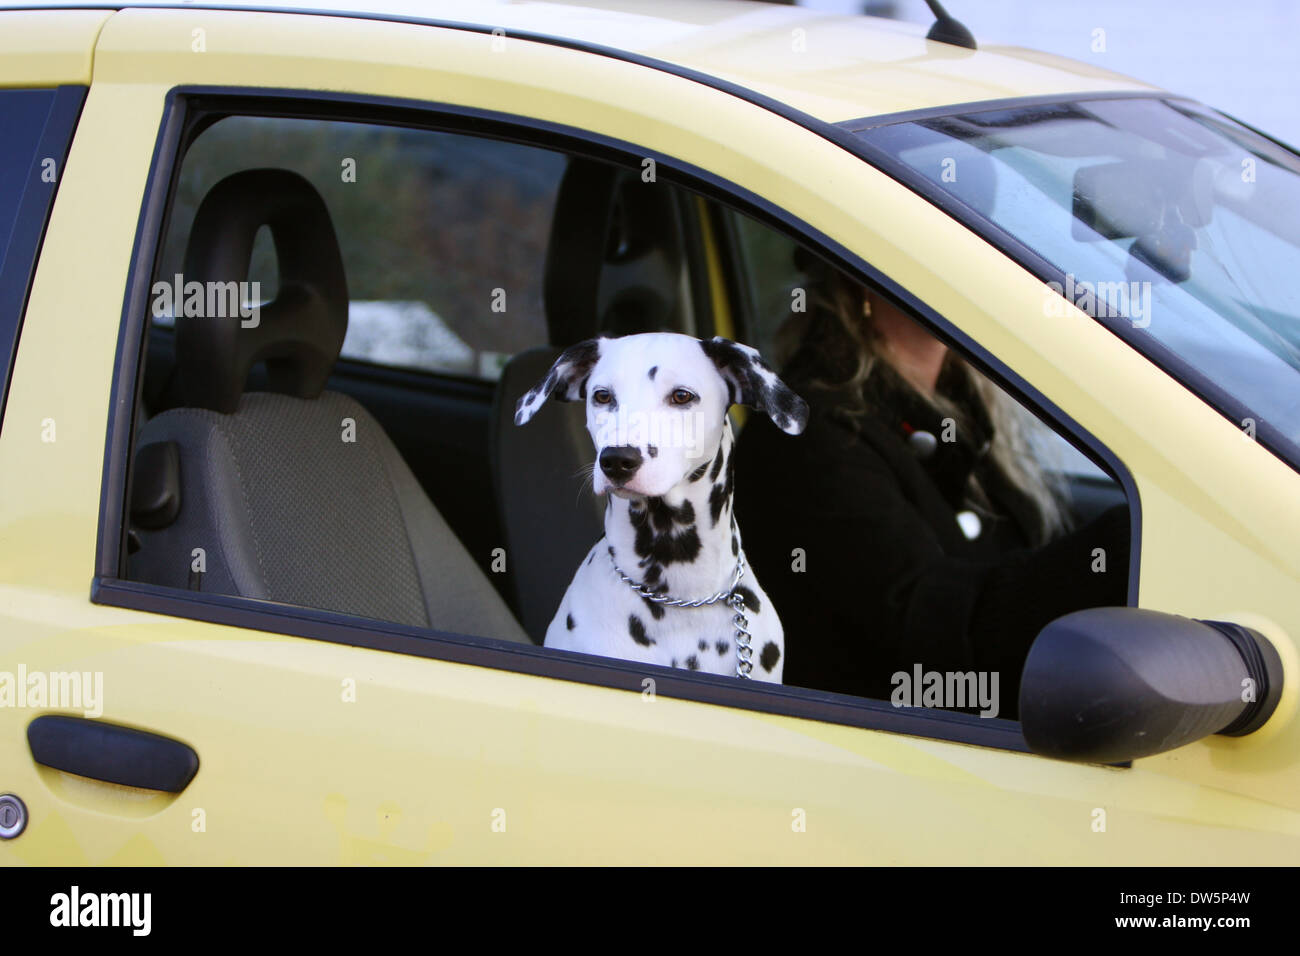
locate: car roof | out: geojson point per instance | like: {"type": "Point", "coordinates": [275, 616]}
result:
{"type": "Point", "coordinates": [828, 66]}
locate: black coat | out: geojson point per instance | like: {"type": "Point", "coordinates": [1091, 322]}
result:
{"type": "Point", "coordinates": [890, 580]}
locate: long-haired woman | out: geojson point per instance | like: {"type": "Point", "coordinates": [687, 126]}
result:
{"type": "Point", "coordinates": [913, 522]}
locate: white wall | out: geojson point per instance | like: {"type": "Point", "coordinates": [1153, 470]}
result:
{"type": "Point", "coordinates": [1240, 56]}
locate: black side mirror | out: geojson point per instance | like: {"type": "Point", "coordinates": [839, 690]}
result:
{"type": "Point", "coordinates": [1112, 684]}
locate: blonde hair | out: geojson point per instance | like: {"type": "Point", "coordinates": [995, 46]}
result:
{"type": "Point", "coordinates": [833, 348]}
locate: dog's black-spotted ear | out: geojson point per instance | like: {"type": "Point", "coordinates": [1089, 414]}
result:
{"type": "Point", "coordinates": [567, 380]}
{"type": "Point", "coordinates": [751, 381]}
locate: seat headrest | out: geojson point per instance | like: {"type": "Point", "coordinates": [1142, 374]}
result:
{"type": "Point", "coordinates": [298, 334]}
{"type": "Point", "coordinates": [615, 257]}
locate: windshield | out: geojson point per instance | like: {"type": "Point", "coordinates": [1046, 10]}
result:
{"type": "Point", "coordinates": [1172, 224]}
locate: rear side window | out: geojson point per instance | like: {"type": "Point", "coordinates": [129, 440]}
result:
{"type": "Point", "coordinates": [443, 236]}
{"type": "Point", "coordinates": [36, 126]}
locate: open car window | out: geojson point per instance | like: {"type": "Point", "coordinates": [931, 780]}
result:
{"type": "Point", "coordinates": [345, 444]}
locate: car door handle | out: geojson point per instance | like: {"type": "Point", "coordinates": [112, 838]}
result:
{"type": "Point", "coordinates": [111, 753]}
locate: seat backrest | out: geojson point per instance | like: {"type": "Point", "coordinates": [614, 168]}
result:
{"type": "Point", "coordinates": [549, 514]}
{"type": "Point", "coordinates": [295, 496]}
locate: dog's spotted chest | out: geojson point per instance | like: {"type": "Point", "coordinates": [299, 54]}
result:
{"type": "Point", "coordinates": [664, 535]}
{"type": "Point", "coordinates": [686, 546]}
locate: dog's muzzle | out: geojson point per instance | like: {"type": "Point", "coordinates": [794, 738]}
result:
{"type": "Point", "coordinates": [620, 462]}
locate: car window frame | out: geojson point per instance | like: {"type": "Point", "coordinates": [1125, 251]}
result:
{"type": "Point", "coordinates": [183, 114]}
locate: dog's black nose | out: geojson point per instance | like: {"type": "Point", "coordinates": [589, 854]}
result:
{"type": "Point", "coordinates": [620, 462]}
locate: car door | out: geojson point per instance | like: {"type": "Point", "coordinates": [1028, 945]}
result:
{"type": "Point", "coordinates": [325, 740]}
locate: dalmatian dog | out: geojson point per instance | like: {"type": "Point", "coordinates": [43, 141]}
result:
{"type": "Point", "coordinates": [657, 408]}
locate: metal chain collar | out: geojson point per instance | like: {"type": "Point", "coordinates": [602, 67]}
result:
{"type": "Point", "coordinates": [734, 599]}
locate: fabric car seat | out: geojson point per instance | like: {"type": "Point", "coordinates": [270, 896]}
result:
{"type": "Point", "coordinates": [296, 494]}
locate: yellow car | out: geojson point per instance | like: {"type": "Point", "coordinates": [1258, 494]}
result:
{"type": "Point", "coordinates": [275, 565]}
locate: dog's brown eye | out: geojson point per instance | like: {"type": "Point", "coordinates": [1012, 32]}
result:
{"type": "Point", "coordinates": [681, 396]}
{"type": "Point", "coordinates": [600, 396]}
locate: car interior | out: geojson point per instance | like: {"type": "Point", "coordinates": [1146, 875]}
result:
{"type": "Point", "coordinates": [397, 492]}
